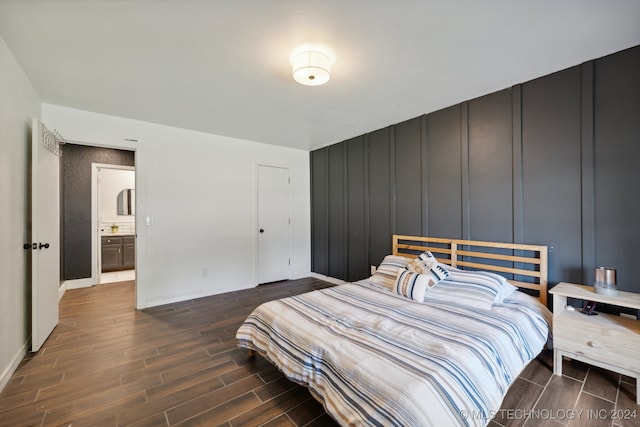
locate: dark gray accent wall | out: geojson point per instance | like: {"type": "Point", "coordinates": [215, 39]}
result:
{"type": "Point", "coordinates": [444, 172]}
{"type": "Point", "coordinates": [357, 210]}
{"type": "Point", "coordinates": [552, 168]}
{"type": "Point", "coordinates": [552, 161]}
{"type": "Point", "coordinates": [489, 168]}
{"type": "Point", "coordinates": [381, 207]}
{"type": "Point", "coordinates": [76, 204]}
{"type": "Point", "coordinates": [320, 211]}
{"type": "Point", "coordinates": [409, 194]}
{"type": "Point", "coordinates": [617, 164]}
{"type": "Point", "coordinates": [337, 211]}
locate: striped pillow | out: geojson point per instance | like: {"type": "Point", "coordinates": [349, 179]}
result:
{"type": "Point", "coordinates": [478, 289]}
{"type": "Point", "coordinates": [415, 285]}
{"type": "Point", "coordinates": [387, 272]}
{"type": "Point", "coordinates": [492, 279]}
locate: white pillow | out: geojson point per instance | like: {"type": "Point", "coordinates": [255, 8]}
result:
{"type": "Point", "coordinates": [506, 290]}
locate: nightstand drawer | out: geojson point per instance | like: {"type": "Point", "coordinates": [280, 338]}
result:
{"type": "Point", "coordinates": [604, 338]}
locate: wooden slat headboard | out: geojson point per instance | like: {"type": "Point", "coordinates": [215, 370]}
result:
{"type": "Point", "coordinates": [525, 266]}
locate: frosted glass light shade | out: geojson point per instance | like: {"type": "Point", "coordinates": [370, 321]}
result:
{"type": "Point", "coordinates": [311, 68]}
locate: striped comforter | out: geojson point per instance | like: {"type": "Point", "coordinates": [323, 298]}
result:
{"type": "Point", "coordinates": [375, 358]}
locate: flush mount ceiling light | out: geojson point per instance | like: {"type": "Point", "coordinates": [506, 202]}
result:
{"type": "Point", "coordinates": [311, 65]}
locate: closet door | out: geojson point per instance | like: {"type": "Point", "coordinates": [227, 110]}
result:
{"type": "Point", "coordinates": [274, 224]}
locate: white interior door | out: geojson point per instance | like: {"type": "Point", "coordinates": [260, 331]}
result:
{"type": "Point", "coordinates": [45, 232]}
{"type": "Point", "coordinates": [273, 224]}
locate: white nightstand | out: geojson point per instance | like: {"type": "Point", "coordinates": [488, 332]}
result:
{"type": "Point", "coordinates": [608, 341]}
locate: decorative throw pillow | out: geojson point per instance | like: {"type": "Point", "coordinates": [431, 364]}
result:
{"type": "Point", "coordinates": [423, 263]}
{"type": "Point", "coordinates": [387, 272]}
{"type": "Point", "coordinates": [439, 271]}
{"type": "Point", "coordinates": [415, 285]}
{"type": "Point", "coordinates": [427, 256]}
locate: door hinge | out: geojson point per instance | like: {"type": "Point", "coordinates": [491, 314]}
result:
{"type": "Point", "coordinates": [289, 180]}
{"type": "Point", "coordinates": [289, 261]}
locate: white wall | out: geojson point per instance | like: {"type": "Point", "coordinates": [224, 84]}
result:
{"type": "Point", "coordinates": [19, 103]}
{"type": "Point", "coordinates": [200, 191]}
{"type": "Point", "coordinates": [112, 182]}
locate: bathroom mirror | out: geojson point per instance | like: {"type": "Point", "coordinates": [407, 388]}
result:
{"type": "Point", "coordinates": [126, 202]}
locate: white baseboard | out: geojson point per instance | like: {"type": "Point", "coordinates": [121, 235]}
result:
{"type": "Point", "coordinates": [61, 290]}
{"type": "Point", "coordinates": [218, 291]}
{"type": "Point", "coordinates": [6, 374]}
{"type": "Point", "coordinates": [328, 279]}
{"type": "Point", "coordinates": [78, 283]}
{"type": "Point", "coordinates": [300, 276]}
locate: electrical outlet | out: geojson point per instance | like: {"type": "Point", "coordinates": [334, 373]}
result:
{"type": "Point", "coordinates": [149, 220]}
{"type": "Point", "coordinates": [373, 269]}
{"type": "Point", "coordinates": [628, 316]}
{"type": "Point", "coordinates": [204, 272]}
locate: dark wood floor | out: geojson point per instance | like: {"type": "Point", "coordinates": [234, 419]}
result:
{"type": "Point", "coordinates": [107, 364]}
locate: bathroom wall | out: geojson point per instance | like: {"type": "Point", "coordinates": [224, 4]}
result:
{"type": "Point", "coordinates": [110, 183]}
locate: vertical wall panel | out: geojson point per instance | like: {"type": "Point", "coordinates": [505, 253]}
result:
{"type": "Point", "coordinates": [408, 177]}
{"type": "Point", "coordinates": [516, 146]}
{"type": "Point", "coordinates": [357, 211]}
{"type": "Point", "coordinates": [588, 178]}
{"type": "Point", "coordinates": [551, 169]}
{"type": "Point", "coordinates": [444, 173]}
{"type": "Point", "coordinates": [380, 200]}
{"type": "Point", "coordinates": [337, 212]}
{"type": "Point", "coordinates": [490, 168]}
{"type": "Point", "coordinates": [320, 211]}
{"type": "Point", "coordinates": [617, 165]}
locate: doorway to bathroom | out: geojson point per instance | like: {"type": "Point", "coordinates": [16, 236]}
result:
{"type": "Point", "coordinates": [113, 219]}
{"type": "Point", "coordinates": [80, 233]}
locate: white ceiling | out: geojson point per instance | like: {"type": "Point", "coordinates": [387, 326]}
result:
{"type": "Point", "coordinates": [222, 66]}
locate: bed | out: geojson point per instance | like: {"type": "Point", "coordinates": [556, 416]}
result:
{"type": "Point", "coordinates": [434, 337]}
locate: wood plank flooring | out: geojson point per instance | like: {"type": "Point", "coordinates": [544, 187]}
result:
{"type": "Point", "coordinates": [107, 364]}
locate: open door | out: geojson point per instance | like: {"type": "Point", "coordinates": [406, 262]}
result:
{"type": "Point", "coordinates": [45, 232]}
